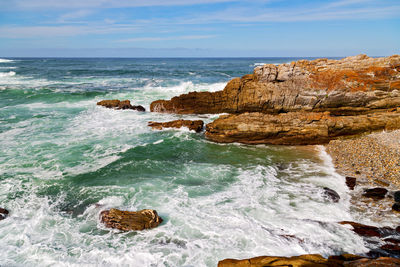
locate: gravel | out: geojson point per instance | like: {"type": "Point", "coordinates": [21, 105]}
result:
{"type": "Point", "coordinates": [374, 158]}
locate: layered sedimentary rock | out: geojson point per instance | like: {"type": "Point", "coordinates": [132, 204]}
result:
{"type": "Point", "coordinates": [309, 260]}
{"type": "Point", "coordinates": [130, 220]}
{"type": "Point", "coordinates": [117, 104]}
{"type": "Point", "coordinates": [196, 125]}
{"type": "Point", "coordinates": [304, 102]}
{"type": "Point", "coordinates": [353, 85]}
{"type": "Point", "coordinates": [296, 128]}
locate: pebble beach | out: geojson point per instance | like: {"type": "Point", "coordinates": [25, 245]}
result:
{"type": "Point", "coordinates": [373, 159]}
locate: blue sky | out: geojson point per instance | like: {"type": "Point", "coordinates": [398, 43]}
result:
{"type": "Point", "coordinates": [157, 28]}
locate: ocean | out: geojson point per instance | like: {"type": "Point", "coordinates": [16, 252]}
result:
{"type": "Point", "coordinates": [63, 160]}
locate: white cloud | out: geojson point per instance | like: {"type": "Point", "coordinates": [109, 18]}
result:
{"type": "Point", "coordinates": [157, 39]}
{"type": "Point", "coordinates": [61, 31]}
{"type": "Point", "coordinates": [29, 4]}
{"type": "Point", "coordinates": [75, 14]}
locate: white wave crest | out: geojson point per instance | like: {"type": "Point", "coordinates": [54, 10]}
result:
{"type": "Point", "coordinates": [3, 60]}
{"type": "Point", "coordinates": [7, 74]}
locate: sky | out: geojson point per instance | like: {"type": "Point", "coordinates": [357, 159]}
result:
{"type": "Point", "coordinates": [199, 28]}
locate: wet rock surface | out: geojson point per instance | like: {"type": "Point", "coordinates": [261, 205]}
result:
{"type": "Point", "coordinates": [375, 193]}
{"type": "Point", "coordinates": [310, 260]}
{"type": "Point", "coordinates": [331, 194]}
{"type": "Point", "coordinates": [396, 196]}
{"type": "Point", "coordinates": [196, 125]}
{"type": "Point", "coordinates": [117, 104]}
{"type": "Point", "coordinates": [130, 220]}
{"type": "Point", "coordinates": [3, 213]}
{"type": "Point", "coordinates": [351, 182]}
{"type": "Point", "coordinates": [396, 207]}
{"type": "Point", "coordinates": [387, 236]}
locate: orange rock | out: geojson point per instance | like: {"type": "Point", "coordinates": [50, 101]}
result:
{"type": "Point", "coordinates": [196, 125]}
{"type": "Point", "coordinates": [130, 220]}
{"type": "Point", "coordinates": [352, 85]}
{"type": "Point", "coordinates": [296, 128]}
{"type": "Point", "coordinates": [117, 104]}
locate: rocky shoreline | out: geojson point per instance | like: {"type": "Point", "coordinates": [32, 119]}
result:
{"type": "Point", "coordinates": [307, 103]}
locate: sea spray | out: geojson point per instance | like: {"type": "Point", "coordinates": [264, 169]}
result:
{"type": "Point", "coordinates": [64, 160]}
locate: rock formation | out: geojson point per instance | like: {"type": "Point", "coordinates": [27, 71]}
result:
{"type": "Point", "coordinates": [309, 260]}
{"type": "Point", "coordinates": [196, 125]}
{"type": "Point", "coordinates": [130, 220]}
{"type": "Point", "coordinates": [117, 104]}
{"type": "Point", "coordinates": [352, 85]}
{"type": "Point", "coordinates": [375, 193]}
{"type": "Point", "coordinates": [304, 102]}
{"type": "Point", "coordinates": [296, 128]}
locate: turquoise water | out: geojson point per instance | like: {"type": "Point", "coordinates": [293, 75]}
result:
{"type": "Point", "coordinates": [63, 160]}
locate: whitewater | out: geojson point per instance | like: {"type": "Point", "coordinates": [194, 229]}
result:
{"type": "Point", "coordinates": [63, 160]}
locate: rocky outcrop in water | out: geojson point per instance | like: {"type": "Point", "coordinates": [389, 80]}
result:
{"type": "Point", "coordinates": [304, 102]}
{"type": "Point", "coordinates": [196, 125]}
{"type": "Point", "coordinates": [117, 104]}
{"type": "Point", "coordinates": [352, 85]}
{"type": "Point", "coordinates": [311, 260]}
{"type": "Point", "coordinates": [389, 239]}
{"type": "Point", "coordinates": [3, 213]}
{"type": "Point", "coordinates": [296, 128]}
{"type": "Point", "coordinates": [130, 220]}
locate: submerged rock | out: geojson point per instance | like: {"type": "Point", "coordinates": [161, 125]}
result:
{"type": "Point", "coordinates": [351, 182]}
{"type": "Point", "coordinates": [331, 194]}
{"type": "Point", "coordinates": [196, 125]}
{"type": "Point", "coordinates": [3, 213]}
{"type": "Point", "coordinates": [396, 196]}
{"type": "Point", "coordinates": [375, 193]}
{"type": "Point", "coordinates": [311, 260]}
{"type": "Point", "coordinates": [130, 220]}
{"type": "Point", "coordinates": [364, 230]}
{"type": "Point", "coordinates": [396, 206]}
{"type": "Point", "coordinates": [117, 104]}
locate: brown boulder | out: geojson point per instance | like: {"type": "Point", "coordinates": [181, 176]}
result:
{"type": "Point", "coordinates": [312, 260]}
{"type": "Point", "coordinates": [130, 220]}
{"type": "Point", "coordinates": [396, 206]}
{"type": "Point", "coordinates": [375, 193]}
{"type": "Point", "coordinates": [364, 230]}
{"type": "Point", "coordinates": [353, 85]}
{"type": "Point", "coordinates": [379, 262]}
{"type": "Point", "coordinates": [296, 128]}
{"type": "Point", "coordinates": [196, 125]}
{"type": "Point", "coordinates": [117, 104]}
{"type": "Point", "coordinates": [331, 194]}
{"type": "Point", "coordinates": [351, 182]}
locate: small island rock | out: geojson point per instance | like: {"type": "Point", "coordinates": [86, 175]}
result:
{"type": "Point", "coordinates": [130, 220]}
{"type": "Point", "coordinates": [117, 104]}
{"type": "Point", "coordinates": [196, 125]}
